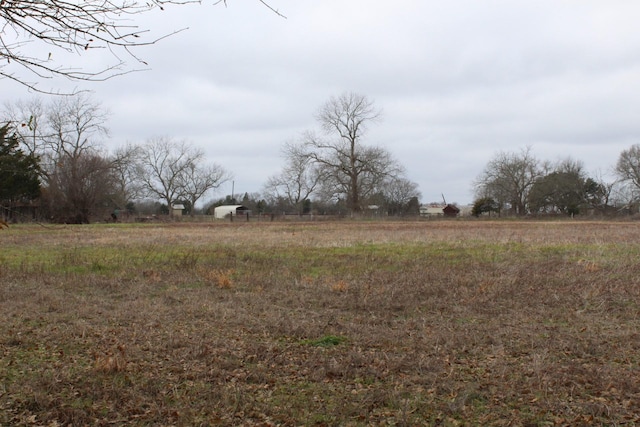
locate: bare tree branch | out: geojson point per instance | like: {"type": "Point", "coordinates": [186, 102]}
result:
{"type": "Point", "coordinates": [73, 27]}
{"type": "Point", "coordinates": [276, 11]}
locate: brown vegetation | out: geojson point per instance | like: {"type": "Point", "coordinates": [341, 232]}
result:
{"type": "Point", "coordinates": [351, 323]}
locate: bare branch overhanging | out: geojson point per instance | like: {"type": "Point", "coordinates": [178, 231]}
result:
{"type": "Point", "coordinates": [74, 27]}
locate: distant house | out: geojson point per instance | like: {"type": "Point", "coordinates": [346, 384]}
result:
{"type": "Point", "coordinates": [447, 210]}
{"type": "Point", "coordinates": [225, 211]}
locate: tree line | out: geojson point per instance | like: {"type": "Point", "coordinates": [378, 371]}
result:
{"type": "Point", "coordinates": [518, 183]}
{"type": "Point", "coordinates": [74, 179]}
{"type": "Point", "coordinates": [54, 165]}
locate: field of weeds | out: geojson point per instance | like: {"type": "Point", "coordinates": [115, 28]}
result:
{"type": "Point", "coordinates": [348, 323]}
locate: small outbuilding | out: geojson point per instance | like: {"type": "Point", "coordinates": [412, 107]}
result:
{"type": "Point", "coordinates": [439, 210]}
{"type": "Point", "coordinates": [225, 211]}
{"type": "Point", "coordinates": [176, 210]}
{"type": "Point", "coordinates": [451, 210]}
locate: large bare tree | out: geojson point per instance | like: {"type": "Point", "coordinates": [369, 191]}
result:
{"type": "Point", "coordinates": [79, 168]}
{"type": "Point", "coordinates": [162, 164]}
{"type": "Point", "coordinates": [507, 179]}
{"type": "Point", "coordinates": [351, 170]}
{"type": "Point", "coordinates": [35, 35]}
{"type": "Point", "coordinates": [173, 170]}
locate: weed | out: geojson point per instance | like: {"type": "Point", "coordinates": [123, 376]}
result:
{"type": "Point", "coordinates": [222, 279]}
{"type": "Point", "coordinates": [339, 286]}
{"type": "Point", "coordinates": [111, 361]}
{"type": "Point", "coordinates": [325, 341]}
{"type": "Point", "coordinates": [186, 259]}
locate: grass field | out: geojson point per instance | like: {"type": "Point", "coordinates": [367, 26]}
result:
{"type": "Point", "coordinates": [344, 323]}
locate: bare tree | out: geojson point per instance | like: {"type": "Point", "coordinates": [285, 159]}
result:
{"type": "Point", "coordinates": [198, 180]}
{"type": "Point", "coordinates": [398, 193]}
{"type": "Point", "coordinates": [63, 126]}
{"type": "Point", "coordinates": [599, 193]}
{"type": "Point", "coordinates": [80, 188]}
{"type": "Point", "coordinates": [298, 180]}
{"type": "Point", "coordinates": [625, 196]}
{"type": "Point", "coordinates": [507, 179]}
{"type": "Point", "coordinates": [163, 165]}
{"type": "Point", "coordinates": [350, 169]}
{"type": "Point", "coordinates": [77, 177]}
{"type": "Point", "coordinates": [125, 167]}
{"type": "Point", "coordinates": [74, 125]}
{"type": "Point", "coordinates": [628, 166]}
{"type": "Point", "coordinates": [29, 26]}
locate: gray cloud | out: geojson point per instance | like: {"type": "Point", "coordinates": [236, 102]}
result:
{"type": "Point", "coordinates": [458, 81]}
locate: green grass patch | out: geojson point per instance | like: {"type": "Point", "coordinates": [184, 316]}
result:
{"type": "Point", "coordinates": [325, 341]}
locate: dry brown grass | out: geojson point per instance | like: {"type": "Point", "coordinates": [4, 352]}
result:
{"type": "Point", "coordinates": [352, 323]}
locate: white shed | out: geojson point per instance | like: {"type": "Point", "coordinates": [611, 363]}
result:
{"type": "Point", "coordinates": [431, 210]}
{"type": "Point", "coordinates": [177, 209]}
{"type": "Point", "coordinates": [224, 211]}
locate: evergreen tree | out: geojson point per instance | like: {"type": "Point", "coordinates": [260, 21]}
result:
{"type": "Point", "coordinates": [19, 173]}
{"type": "Point", "coordinates": [485, 205]}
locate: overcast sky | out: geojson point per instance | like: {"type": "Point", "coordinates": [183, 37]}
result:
{"type": "Point", "coordinates": [458, 81]}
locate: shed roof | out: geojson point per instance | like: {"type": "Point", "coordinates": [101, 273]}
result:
{"type": "Point", "coordinates": [224, 210]}
{"type": "Point", "coordinates": [231, 207]}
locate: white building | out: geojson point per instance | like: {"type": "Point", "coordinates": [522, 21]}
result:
{"type": "Point", "coordinates": [225, 211]}
{"type": "Point", "coordinates": [177, 209]}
